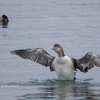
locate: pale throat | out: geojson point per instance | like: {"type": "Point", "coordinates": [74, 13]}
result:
{"type": "Point", "coordinates": [61, 54]}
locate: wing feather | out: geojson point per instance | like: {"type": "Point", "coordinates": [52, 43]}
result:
{"type": "Point", "coordinates": [38, 55]}
{"type": "Point", "coordinates": [88, 61]}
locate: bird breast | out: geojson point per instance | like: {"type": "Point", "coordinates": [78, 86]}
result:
{"type": "Point", "coordinates": [62, 60]}
{"type": "Point", "coordinates": [64, 68]}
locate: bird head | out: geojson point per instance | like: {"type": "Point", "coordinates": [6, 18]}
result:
{"type": "Point", "coordinates": [5, 18]}
{"type": "Point", "coordinates": [59, 50]}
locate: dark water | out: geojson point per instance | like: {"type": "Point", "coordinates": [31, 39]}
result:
{"type": "Point", "coordinates": [74, 24]}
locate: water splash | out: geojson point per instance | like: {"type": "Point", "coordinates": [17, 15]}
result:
{"type": "Point", "coordinates": [51, 82]}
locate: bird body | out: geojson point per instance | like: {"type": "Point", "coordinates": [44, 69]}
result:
{"type": "Point", "coordinates": [64, 66]}
{"type": "Point", "coordinates": [4, 19]}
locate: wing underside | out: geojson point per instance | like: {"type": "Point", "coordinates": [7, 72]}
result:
{"type": "Point", "coordinates": [38, 55]}
{"type": "Point", "coordinates": [87, 62]}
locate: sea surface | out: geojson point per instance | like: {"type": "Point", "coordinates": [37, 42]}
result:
{"type": "Point", "coordinates": [74, 24]}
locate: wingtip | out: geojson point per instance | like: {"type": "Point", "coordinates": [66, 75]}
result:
{"type": "Point", "coordinates": [12, 52]}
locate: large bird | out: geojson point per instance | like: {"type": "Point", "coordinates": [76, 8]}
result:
{"type": "Point", "coordinates": [64, 66]}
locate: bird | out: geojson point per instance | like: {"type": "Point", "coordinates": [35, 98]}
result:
{"type": "Point", "coordinates": [4, 19]}
{"type": "Point", "coordinates": [64, 66]}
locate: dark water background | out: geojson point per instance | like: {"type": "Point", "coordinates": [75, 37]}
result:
{"type": "Point", "coordinates": [74, 24]}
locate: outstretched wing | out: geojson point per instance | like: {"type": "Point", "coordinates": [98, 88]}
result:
{"type": "Point", "coordinates": [87, 62]}
{"type": "Point", "coordinates": [38, 55]}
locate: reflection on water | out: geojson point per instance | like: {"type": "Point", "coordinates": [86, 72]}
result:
{"type": "Point", "coordinates": [58, 90]}
{"type": "Point", "coordinates": [4, 24]}
{"type": "Point", "coordinates": [61, 90]}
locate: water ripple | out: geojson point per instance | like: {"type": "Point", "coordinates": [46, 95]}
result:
{"type": "Point", "coordinates": [51, 82]}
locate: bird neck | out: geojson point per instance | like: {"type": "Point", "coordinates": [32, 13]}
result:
{"type": "Point", "coordinates": [61, 54]}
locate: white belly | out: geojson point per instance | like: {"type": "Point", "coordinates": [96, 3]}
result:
{"type": "Point", "coordinates": [64, 68]}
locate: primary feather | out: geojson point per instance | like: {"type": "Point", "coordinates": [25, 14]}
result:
{"type": "Point", "coordinates": [38, 55]}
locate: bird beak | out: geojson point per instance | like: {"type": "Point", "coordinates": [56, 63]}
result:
{"type": "Point", "coordinates": [52, 48]}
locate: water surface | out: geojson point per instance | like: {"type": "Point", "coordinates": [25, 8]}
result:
{"type": "Point", "coordinates": [74, 24]}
